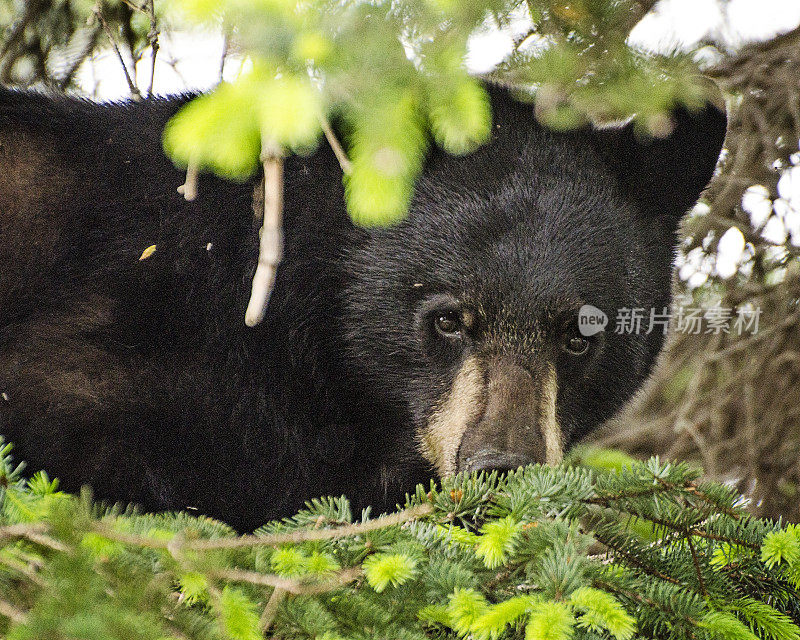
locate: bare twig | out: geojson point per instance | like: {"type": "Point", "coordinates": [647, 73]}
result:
{"type": "Point", "coordinates": [152, 39]}
{"type": "Point", "coordinates": [338, 150]}
{"type": "Point", "coordinates": [189, 188]}
{"type": "Point", "coordinates": [135, 93]}
{"type": "Point", "coordinates": [76, 62]}
{"type": "Point", "coordinates": [223, 57]}
{"type": "Point", "coordinates": [271, 235]}
{"type": "Point", "coordinates": [33, 532]}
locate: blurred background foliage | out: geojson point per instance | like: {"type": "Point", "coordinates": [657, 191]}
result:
{"type": "Point", "coordinates": [394, 74]}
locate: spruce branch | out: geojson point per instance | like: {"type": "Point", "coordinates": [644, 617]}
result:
{"type": "Point", "coordinates": [250, 541]}
{"type": "Point", "coordinates": [11, 612]}
{"type": "Point", "coordinates": [288, 585]}
{"type": "Point", "coordinates": [32, 532]}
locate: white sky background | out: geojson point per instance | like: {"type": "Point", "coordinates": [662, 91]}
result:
{"type": "Point", "coordinates": [190, 61]}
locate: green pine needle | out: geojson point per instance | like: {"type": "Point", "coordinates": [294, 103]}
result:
{"type": "Point", "coordinates": [725, 626]}
{"type": "Point", "coordinates": [289, 562]}
{"type": "Point", "coordinates": [765, 620]}
{"type": "Point", "coordinates": [494, 620]}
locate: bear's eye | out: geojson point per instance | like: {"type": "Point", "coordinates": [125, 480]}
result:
{"type": "Point", "coordinates": [576, 345]}
{"type": "Point", "coordinates": [448, 323]}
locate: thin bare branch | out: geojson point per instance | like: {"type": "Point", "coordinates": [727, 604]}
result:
{"type": "Point", "coordinates": [135, 93]}
{"type": "Point", "coordinates": [152, 39]}
{"type": "Point", "coordinates": [338, 150]}
{"type": "Point", "coordinates": [189, 188]}
{"type": "Point", "coordinates": [270, 250]}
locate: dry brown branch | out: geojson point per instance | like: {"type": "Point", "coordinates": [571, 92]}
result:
{"type": "Point", "coordinates": [77, 60]}
{"type": "Point", "coordinates": [731, 401]}
{"type": "Point", "coordinates": [35, 533]}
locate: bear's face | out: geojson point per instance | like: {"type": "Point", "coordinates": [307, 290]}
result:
{"type": "Point", "coordinates": [468, 312]}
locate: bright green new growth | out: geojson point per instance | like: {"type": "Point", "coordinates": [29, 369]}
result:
{"type": "Point", "coordinates": [386, 148]}
{"type": "Point", "coordinates": [497, 617]}
{"type": "Point", "coordinates": [542, 553]}
{"type": "Point", "coordinates": [602, 612]}
{"type": "Point", "coordinates": [550, 621]}
{"type": "Point", "coordinates": [224, 130]}
{"type": "Point", "coordinates": [385, 569]}
{"type": "Point", "coordinates": [238, 615]}
{"type": "Point", "coordinates": [781, 547]}
{"type": "Point", "coordinates": [497, 541]}
{"type": "Point", "coordinates": [460, 116]}
{"type": "Point", "coordinates": [464, 609]}
{"type": "Point", "coordinates": [390, 77]}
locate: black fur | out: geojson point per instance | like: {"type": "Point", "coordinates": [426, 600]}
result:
{"type": "Point", "coordinates": [140, 378]}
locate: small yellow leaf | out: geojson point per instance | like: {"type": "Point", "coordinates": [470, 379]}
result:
{"type": "Point", "coordinates": [148, 252]}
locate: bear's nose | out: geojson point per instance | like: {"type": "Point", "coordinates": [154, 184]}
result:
{"type": "Point", "coordinates": [494, 460]}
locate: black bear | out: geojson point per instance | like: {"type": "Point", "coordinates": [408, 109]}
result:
{"type": "Point", "coordinates": [447, 342]}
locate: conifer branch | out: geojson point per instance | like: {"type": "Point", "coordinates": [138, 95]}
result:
{"type": "Point", "coordinates": [11, 612]}
{"type": "Point", "coordinates": [288, 585]}
{"type": "Point", "coordinates": [249, 541]}
{"type": "Point", "coordinates": [698, 571]}
{"type": "Point", "coordinates": [634, 561]}
{"type": "Point", "coordinates": [277, 596]}
{"type": "Point", "coordinates": [32, 532]}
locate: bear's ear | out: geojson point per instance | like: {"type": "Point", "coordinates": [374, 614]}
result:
{"type": "Point", "coordinates": [665, 176]}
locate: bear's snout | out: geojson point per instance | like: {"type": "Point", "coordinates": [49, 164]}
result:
{"type": "Point", "coordinates": [498, 414]}
{"type": "Point", "coordinates": [519, 424]}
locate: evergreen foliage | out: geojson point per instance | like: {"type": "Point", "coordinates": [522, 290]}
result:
{"type": "Point", "coordinates": [393, 75]}
{"type": "Point", "coordinates": [541, 553]}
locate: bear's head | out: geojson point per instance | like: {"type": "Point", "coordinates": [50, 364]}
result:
{"type": "Point", "coordinates": [480, 317]}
